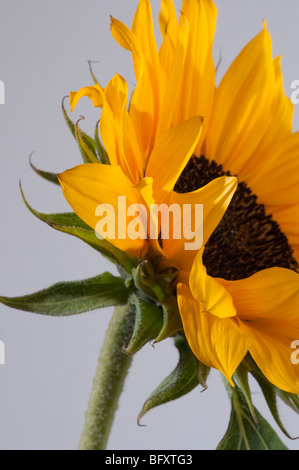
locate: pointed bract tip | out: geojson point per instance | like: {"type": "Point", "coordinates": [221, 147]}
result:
{"type": "Point", "coordinates": [139, 418]}
{"type": "Point", "coordinates": [127, 351]}
{"type": "Point", "coordinates": [81, 118]}
{"type": "Point", "coordinates": [30, 158]}
{"type": "Point", "coordinates": [63, 100]}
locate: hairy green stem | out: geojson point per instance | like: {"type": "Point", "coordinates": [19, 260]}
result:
{"type": "Point", "coordinates": [108, 384]}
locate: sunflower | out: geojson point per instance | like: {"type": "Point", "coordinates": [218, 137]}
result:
{"type": "Point", "coordinates": [241, 294]}
{"type": "Point", "coordinates": [89, 186]}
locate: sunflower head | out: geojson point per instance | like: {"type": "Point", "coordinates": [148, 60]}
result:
{"type": "Point", "coordinates": [191, 190]}
{"type": "Point", "coordinates": [158, 149]}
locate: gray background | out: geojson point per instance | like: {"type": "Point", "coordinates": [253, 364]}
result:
{"type": "Point", "coordinates": [50, 363]}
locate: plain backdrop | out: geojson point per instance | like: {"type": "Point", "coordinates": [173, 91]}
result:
{"type": "Point", "coordinates": [50, 362]}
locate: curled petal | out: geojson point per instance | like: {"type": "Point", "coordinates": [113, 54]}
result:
{"type": "Point", "coordinates": [216, 342]}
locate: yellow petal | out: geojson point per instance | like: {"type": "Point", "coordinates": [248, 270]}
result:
{"type": "Point", "coordinates": [169, 29]}
{"type": "Point", "coordinates": [247, 103]}
{"type": "Point", "coordinates": [142, 101]}
{"type": "Point", "coordinates": [174, 65]}
{"type": "Point", "coordinates": [269, 294]}
{"type": "Point", "coordinates": [111, 123]}
{"type": "Point", "coordinates": [142, 113]}
{"type": "Point", "coordinates": [88, 186]}
{"type": "Point", "coordinates": [287, 217]}
{"type": "Point", "coordinates": [171, 153]}
{"type": "Point", "coordinates": [95, 93]}
{"type": "Point", "coordinates": [214, 198]}
{"type": "Point", "coordinates": [116, 93]}
{"type": "Point", "coordinates": [143, 30]}
{"type": "Point", "coordinates": [267, 305]}
{"type": "Point", "coordinates": [197, 80]}
{"type": "Point", "coordinates": [273, 354]}
{"type": "Point", "coordinates": [276, 136]}
{"type": "Point", "coordinates": [166, 15]}
{"type": "Point", "coordinates": [113, 100]}
{"type": "Point", "coordinates": [277, 184]}
{"type": "Point", "coordinates": [216, 342]}
{"type": "Point", "coordinates": [214, 297]}
{"type": "Point", "coordinates": [128, 41]}
{"type": "Point", "coordinates": [145, 190]}
{"type": "Point", "coordinates": [117, 132]}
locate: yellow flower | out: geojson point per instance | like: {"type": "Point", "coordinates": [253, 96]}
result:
{"type": "Point", "coordinates": [88, 186]}
{"type": "Point", "coordinates": [247, 132]}
{"type": "Point", "coordinates": [247, 124]}
{"type": "Point", "coordinates": [242, 295]}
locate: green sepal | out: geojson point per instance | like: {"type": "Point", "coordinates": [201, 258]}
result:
{"type": "Point", "coordinates": [172, 322]}
{"type": "Point", "coordinates": [241, 377]}
{"type": "Point", "coordinates": [72, 298]}
{"type": "Point", "coordinates": [52, 177]}
{"type": "Point", "coordinates": [289, 399]}
{"type": "Point", "coordinates": [148, 323]}
{"type": "Point", "coordinates": [71, 224]}
{"type": "Point", "coordinates": [242, 432]}
{"type": "Point", "coordinates": [95, 80]}
{"type": "Point", "coordinates": [103, 155]}
{"type": "Point", "coordinates": [181, 381]}
{"type": "Point", "coordinates": [86, 145]}
{"type": "Point", "coordinates": [203, 373]}
{"type": "Point", "coordinates": [158, 289]}
{"type": "Point", "coordinates": [91, 149]}
{"type": "Point", "coordinates": [269, 391]}
{"type": "Point", "coordinates": [145, 281]}
{"type": "Point", "coordinates": [69, 122]}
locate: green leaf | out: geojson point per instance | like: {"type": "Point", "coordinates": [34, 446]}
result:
{"type": "Point", "coordinates": [182, 380]}
{"type": "Point", "coordinates": [71, 224]}
{"type": "Point", "coordinates": [72, 298]}
{"type": "Point", "coordinates": [52, 177]}
{"type": "Point", "coordinates": [148, 323]}
{"type": "Point", "coordinates": [243, 433]}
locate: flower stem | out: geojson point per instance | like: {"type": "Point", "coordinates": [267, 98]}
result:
{"type": "Point", "coordinates": [108, 384]}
